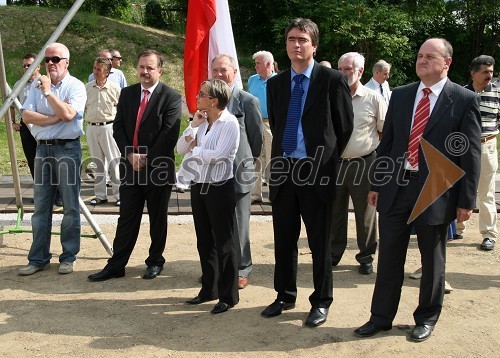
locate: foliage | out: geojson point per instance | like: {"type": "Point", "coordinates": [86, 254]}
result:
{"type": "Point", "coordinates": [390, 30]}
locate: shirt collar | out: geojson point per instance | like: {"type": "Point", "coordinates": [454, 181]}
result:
{"type": "Point", "coordinates": [150, 89]}
{"type": "Point", "coordinates": [307, 72]}
{"type": "Point", "coordinates": [360, 91]}
{"type": "Point", "coordinates": [435, 88]}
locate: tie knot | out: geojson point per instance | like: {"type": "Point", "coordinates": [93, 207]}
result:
{"type": "Point", "coordinates": [298, 78]}
{"type": "Point", "coordinates": [146, 92]}
{"type": "Point", "coordinates": [427, 91]}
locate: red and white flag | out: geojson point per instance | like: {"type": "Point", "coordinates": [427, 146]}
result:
{"type": "Point", "coordinates": [208, 33]}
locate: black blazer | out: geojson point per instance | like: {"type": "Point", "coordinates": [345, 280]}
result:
{"type": "Point", "coordinates": [158, 132]}
{"type": "Point", "coordinates": [455, 115]}
{"type": "Point", "coordinates": [327, 123]}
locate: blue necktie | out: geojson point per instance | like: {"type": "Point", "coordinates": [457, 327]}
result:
{"type": "Point", "coordinates": [289, 143]}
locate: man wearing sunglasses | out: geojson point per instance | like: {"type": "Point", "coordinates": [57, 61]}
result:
{"type": "Point", "coordinates": [116, 58]}
{"type": "Point", "coordinates": [55, 108]}
{"type": "Point", "coordinates": [115, 75]}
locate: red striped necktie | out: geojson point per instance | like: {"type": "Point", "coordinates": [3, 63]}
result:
{"type": "Point", "coordinates": [140, 114]}
{"type": "Point", "coordinates": [419, 122]}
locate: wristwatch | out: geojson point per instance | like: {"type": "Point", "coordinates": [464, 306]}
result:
{"type": "Point", "coordinates": [46, 93]}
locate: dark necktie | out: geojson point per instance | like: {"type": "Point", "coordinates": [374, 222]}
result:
{"type": "Point", "coordinates": [289, 143]}
{"type": "Point", "coordinates": [382, 90]}
{"type": "Point", "coordinates": [140, 114]}
{"type": "Point", "coordinates": [419, 122]}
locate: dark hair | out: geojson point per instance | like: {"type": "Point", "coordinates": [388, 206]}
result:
{"type": "Point", "coordinates": [149, 52]}
{"type": "Point", "coordinates": [104, 61]}
{"type": "Point", "coordinates": [486, 60]}
{"type": "Point", "coordinates": [29, 55]}
{"type": "Point", "coordinates": [304, 25]}
{"type": "Point", "coordinates": [218, 89]}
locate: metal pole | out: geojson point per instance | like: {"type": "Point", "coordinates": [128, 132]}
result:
{"type": "Point", "coordinates": [10, 133]}
{"type": "Point", "coordinates": [85, 211]}
{"type": "Point", "coordinates": [27, 75]}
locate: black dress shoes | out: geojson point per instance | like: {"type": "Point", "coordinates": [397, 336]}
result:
{"type": "Point", "coordinates": [369, 329]}
{"type": "Point", "coordinates": [220, 307]}
{"type": "Point", "coordinates": [198, 300]}
{"type": "Point", "coordinates": [105, 275]}
{"type": "Point", "coordinates": [152, 272]}
{"type": "Point", "coordinates": [366, 268]}
{"type": "Point", "coordinates": [317, 316]}
{"type": "Point", "coordinates": [275, 308]}
{"type": "Point", "coordinates": [421, 332]}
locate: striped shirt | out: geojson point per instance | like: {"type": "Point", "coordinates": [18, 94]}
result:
{"type": "Point", "coordinates": [212, 159]}
{"type": "Point", "coordinates": [490, 109]}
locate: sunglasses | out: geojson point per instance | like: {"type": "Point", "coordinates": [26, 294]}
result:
{"type": "Point", "coordinates": [203, 95]}
{"type": "Point", "coordinates": [117, 57]}
{"type": "Point", "coordinates": [54, 59]}
{"type": "Point", "coordinates": [26, 66]}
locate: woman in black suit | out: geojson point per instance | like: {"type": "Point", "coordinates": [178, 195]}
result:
{"type": "Point", "coordinates": [213, 138]}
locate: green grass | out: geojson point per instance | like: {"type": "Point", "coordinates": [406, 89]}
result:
{"type": "Point", "coordinates": [26, 29]}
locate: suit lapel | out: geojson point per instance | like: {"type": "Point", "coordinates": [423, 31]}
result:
{"type": "Point", "coordinates": [314, 88]}
{"type": "Point", "coordinates": [408, 108]}
{"type": "Point", "coordinates": [443, 102]}
{"type": "Point", "coordinates": [234, 102]}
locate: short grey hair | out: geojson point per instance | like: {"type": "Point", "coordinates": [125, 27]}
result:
{"type": "Point", "coordinates": [268, 56]}
{"type": "Point", "coordinates": [381, 65]}
{"type": "Point", "coordinates": [231, 59]}
{"type": "Point", "coordinates": [358, 59]}
{"type": "Point", "coordinates": [218, 89]}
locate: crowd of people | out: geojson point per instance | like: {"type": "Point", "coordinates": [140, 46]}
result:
{"type": "Point", "coordinates": [315, 135]}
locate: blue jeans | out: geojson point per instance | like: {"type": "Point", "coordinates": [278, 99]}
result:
{"type": "Point", "coordinates": [56, 167]}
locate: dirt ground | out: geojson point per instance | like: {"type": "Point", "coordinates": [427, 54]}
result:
{"type": "Point", "coordinates": [48, 315]}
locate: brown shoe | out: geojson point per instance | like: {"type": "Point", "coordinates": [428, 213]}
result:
{"type": "Point", "coordinates": [242, 282]}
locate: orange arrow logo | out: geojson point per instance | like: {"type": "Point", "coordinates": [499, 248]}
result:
{"type": "Point", "coordinates": [443, 174]}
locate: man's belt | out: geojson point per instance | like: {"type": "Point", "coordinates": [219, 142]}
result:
{"type": "Point", "coordinates": [100, 123]}
{"type": "Point", "coordinates": [265, 120]}
{"type": "Point", "coordinates": [350, 159]}
{"type": "Point", "coordinates": [56, 141]}
{"type": "Point", "coordinates": [411, 174]}
{"type": "Point", "coordinates": [488, 137]}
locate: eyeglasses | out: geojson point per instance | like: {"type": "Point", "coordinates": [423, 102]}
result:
{"type": "Point", "coordinates": [118, 57]}
{"type": "Point", "coordinates": [26, 66]}
{"type": "Point", "coordinates": [54, 59]}
{"type": "Point", "coordinates": [203, 95]}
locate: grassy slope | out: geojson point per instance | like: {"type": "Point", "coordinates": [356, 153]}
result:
{"type": "Point", "coordinates": [26, 29]}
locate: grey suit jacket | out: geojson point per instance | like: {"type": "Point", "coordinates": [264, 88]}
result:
{"type": "Point", "coordinates": [245, 107]}
{"type": "Point", "coordinates": [455, 117]}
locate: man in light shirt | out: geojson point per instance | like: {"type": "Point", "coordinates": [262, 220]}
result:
{"type": "Point", "coordinates": [354, 164]}
{"type": "Point", "coordinates": [257, 85]}
{"type": "Point", "coordinates": [381, 71]}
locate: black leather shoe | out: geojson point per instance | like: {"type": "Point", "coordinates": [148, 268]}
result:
{"type": "Point", "coordinates": [220, 307]}
{"type": "Point", "coordinates": [152, 272]}
{"type": "Point", "coordinates": [198, 300]}
{"type": "Point", "coordinates": [369, 329]}
{"type": "Point", "coordinates": [366, 268]}
{"type": "Point", "coordinates": [317, 316]}
{"type": "Point", "coordinates": [105, 275]}
{"type": "Point", "coordinates": [275, 308]}
{"type": "Point", "coordinates": [421, 332]}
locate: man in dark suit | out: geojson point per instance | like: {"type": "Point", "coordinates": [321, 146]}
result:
{"type": "Point", "coordinates": [452, 114]}
{"type": "Point", "coordinates": [311, 117]}
{"type": "Point", "coordinates": [245, 107]}
{"type": "Point", "coordinates": [146, 129]}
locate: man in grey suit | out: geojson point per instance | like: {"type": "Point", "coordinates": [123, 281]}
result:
{"type": "Point", "coordinates": [447, 117]}
{"type": "Point", "coordinates": [245, 107]}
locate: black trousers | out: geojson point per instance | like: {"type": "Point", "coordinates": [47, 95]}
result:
{"type": "Point", "coordinates": [213, 208]}
{"type": "Point", "coordinates": [292, 203]}
{"type": "Point", "coordinates": [393, 245]}
{"type": "Point", "coordinates": [133, 197]}
{"type": "Point", "coordinates": [29, 147]}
